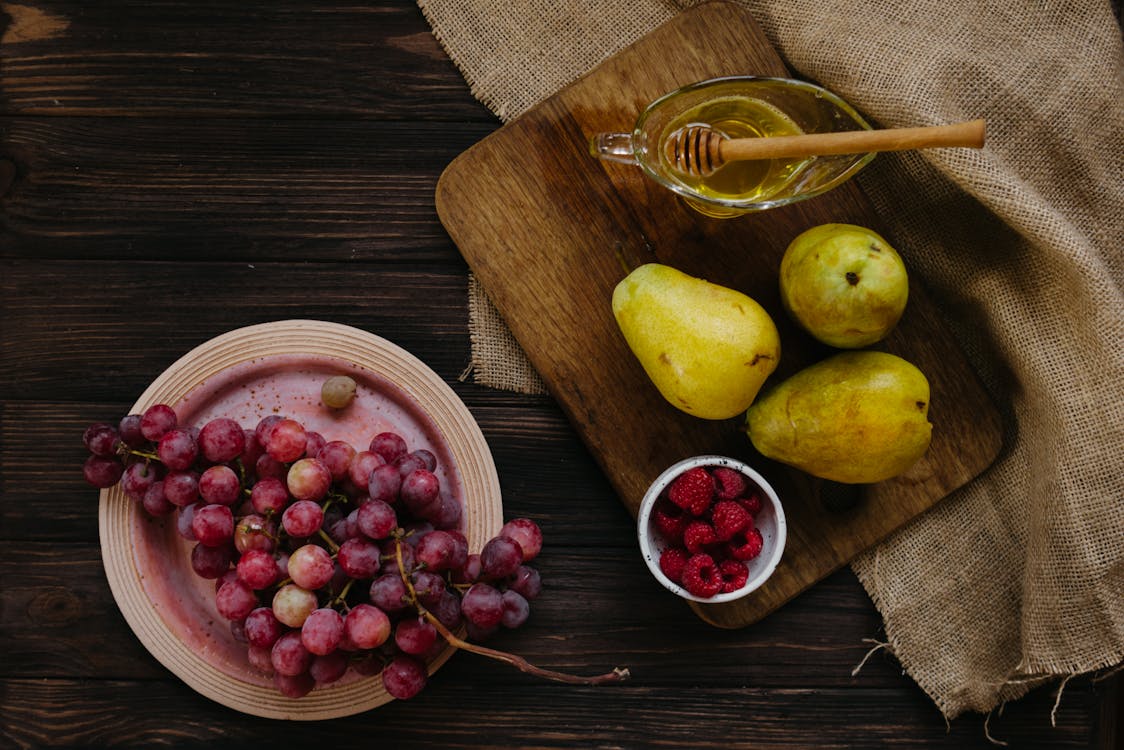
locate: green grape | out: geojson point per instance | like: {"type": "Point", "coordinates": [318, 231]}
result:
{"type": "Point", "coordinates": [337, 392]}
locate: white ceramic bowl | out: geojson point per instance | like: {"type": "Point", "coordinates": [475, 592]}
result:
{"type": "Point", "coordinates": [770, 521]}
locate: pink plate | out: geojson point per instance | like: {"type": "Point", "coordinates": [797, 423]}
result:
{"type": "Point", "coordinates": [278, 368]}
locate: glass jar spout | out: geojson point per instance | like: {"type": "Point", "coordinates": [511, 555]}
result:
{"type": "Point", "coordinates": [616, 147]}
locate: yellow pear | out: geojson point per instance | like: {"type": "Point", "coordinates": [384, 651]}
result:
{"type": "Point", "coordinates": [856, 417]}
{"type": "Point", "coordinates": [707, 348]}
{"type": "Point", "coordinates": [843, 284]}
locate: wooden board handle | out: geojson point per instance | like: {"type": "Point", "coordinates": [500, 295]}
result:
{"type": "Point", "coordinates": [969, 134]}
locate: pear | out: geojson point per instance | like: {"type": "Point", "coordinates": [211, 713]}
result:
{"type": "Point", "coordinates": [708, 349]}
{"type": "Point", "coordinates": [843, 284]}
{"type": "Point", "coordinates": [856, 417]}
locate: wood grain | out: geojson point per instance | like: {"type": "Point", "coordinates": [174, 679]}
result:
{"type": "Point", "coordinates": [545, 227]}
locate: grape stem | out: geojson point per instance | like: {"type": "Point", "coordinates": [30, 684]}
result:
{"type": "Point", "coordinates": [331, 542]}
{"type": "Point", "coordinates": [619, 674]}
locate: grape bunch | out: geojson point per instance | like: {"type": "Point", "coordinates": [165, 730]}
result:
{"type": "Point", "coordinates": [325, 558]}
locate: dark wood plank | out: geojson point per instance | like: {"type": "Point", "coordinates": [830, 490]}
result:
{"type": "Point", "coordinates": [552, 266]}
{"type": "Point", "coordinates": [473, 715]}
{"type": "Point", "coordinates": [227, 189]}
{"type": "Point", "coordinates": [191, 59]}
{"type": "Point", "coordinates": [102, 332]}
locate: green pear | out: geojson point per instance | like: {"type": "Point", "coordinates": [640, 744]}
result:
{"type": "Point", "coordinates": [856, 417]}
{"type": "Point", "coordinates": [843, 284]}
{"type": "Point", "coordinates": [707, 348]}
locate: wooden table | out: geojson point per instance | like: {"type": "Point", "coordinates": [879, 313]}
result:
{"type": "Point", "coordinates": [174, 170]}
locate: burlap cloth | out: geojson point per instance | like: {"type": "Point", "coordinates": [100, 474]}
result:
{"type": "Point", "coordinates": [1017, 579]}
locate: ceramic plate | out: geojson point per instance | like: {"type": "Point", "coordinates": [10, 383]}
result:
{"type": "Point", "coordinates": [247, 374]}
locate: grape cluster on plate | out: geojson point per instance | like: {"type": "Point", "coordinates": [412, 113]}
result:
{"type": "Point", "coordinates": [325, 558]}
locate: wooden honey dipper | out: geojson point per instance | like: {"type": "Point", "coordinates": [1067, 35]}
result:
{"type": "Point", "coordinates": [699, 150]}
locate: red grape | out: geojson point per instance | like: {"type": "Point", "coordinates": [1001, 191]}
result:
{"type": "Point", "coordinates": [259, 657]}
{"type": "Point", "coordinates": [436, 551]}
{"type": "Point", "coordinates": [404, 677]}
{"type": "Point", "coordinates": [309, 479]}
{"type": "Point", "coordinates": [482, 606]}
{"type": "Point", "coordinates": [314, 442]}
{"type": "Point", "coordinates": [262, 628]}
{"type": "Point", "coordinates": [366, 626]}
{"type": "Point", "coordinates": [292, 605]}
{"type": "Point", "coordinates": [264, 429]}
{"type": "Point", "coordinates": [181, 487]}
{"type": "Point", "coordinates": [155, 502]}
{"type": "Point", "coordinates": [102, 471]}
{"type": "Point", "coordinates": [287, 441]}
{"type": "Point", "coordinates": [388, 592]}
{"type": "Point", "coordinates": [293, 686]}
{"type": "Point", "coordinates": [235, 600]}
{"type": "Point", "coordinates": [384, 483]}
{"type": "Point", "coordinates": [322, 631]}
{"type": "Point", "coordinates": [222, 440]}
{"type": "Point", "coordinates": [389, 445]}
{"type": "Point", "coordinates": [527, 534]}
{"type": "Point", "coordinates": [257, 569]}
{"type": "Point", "coordinates": [360, 468]}
{"type": "Point", "coordinates": [429, 461]}
{"type": "Point", "coordinates": [359, 558]}
{"type": "Point", "coordinates": [448, 516]}
{"type": "Point", "coordinates": [211, 562]}
{"type": "Point", "coordinates": [138, 478]}
{"type": "Point", "coordinates": [213, 525]}
{"type": "Point", "coordinates": [130, 431]}
{"type": "Point", "coordinates": [302, 519]}
{"type": "Point", "coordinates": [220, 485]}
{"type": "Point", "coordinates": [428, 586]}
{"type": "Point", "coordinates": [409, 463]}
{"type": "Point", "coordinates": [101, 439]}
{"type": "Point", "coordinates": [310, 567]}
{"type": "Point", "coordinates": [420, 493]}
{"type": "Point", "coordinates": [337, 455]}
{"type": "Point", "coordinates": [500, 557]}
{"type": "Point", "coordinates": [328, 668]}
{"type": "Point", "coordinates": [515, 609]}
{"type": "Point", "coordinates": [526, 582]}
{"type": "Point", "coordinates": [177, 449]}
{"type": "Point", "coordinates": [269, 495]}
{"type": "Point", "coordinates": [376, 520]}
{"type": "Point", "coordinates": [289, 656]}
{"type": "Point", "coordinates": [157, 420]}
{"type": "Point", "coordinates": [447, 609]}
{"type": "Point", "coordinates": [390, 553]}
{"type": "Point", "coordinates": [268, 466]}
{"type": "Point", "coordinates": [415, 636]}
{"type": "Point", "coordinates": [253, 532]}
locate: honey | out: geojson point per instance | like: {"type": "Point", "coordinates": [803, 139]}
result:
{"type": "Point", "coordinates": [739, 117]}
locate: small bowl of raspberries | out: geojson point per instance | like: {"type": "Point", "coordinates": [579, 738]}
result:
{"type": "Point", "coordinates": [711, 529]}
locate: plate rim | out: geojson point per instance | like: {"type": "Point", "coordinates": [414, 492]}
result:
{"type": "Point", "coordinates": [450, 415]}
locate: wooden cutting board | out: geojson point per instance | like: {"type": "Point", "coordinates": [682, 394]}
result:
{"type": "Point", "coordinates": [545, 226]}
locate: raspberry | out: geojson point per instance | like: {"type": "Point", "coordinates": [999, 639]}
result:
{"type": "Point", "coordinates": [692, 490]}
{"type": "Point", "coordinates": [731, 484]}
{"type": "Point", "coordinates": [701, 577]}
{"type": "Point", "coordinates": [751, 503]}
{"type": "Point", "coordinates": [671, 520]}
{"type": "Point", "coordinates": [734, 575]}
{"type": "Point", "coordinates": [697, 536]}
{"type": "Point", "coordinates": [729, 518]}
{"type": "Point", "coordinates": [672, 562]}
{"type": "Point", "coordinates": [746, 545]}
